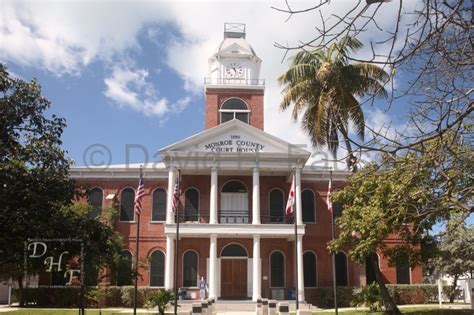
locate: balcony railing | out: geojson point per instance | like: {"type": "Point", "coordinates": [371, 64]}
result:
{"type": "Point", "coordinates": [234, 81]}
{"type": "Point", "coordinates": [236, 217]}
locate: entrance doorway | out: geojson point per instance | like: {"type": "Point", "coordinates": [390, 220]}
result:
{"type": "Point", "coordinates": [234, 272]}
{"type": "Point", "coordinates": [234, 203]}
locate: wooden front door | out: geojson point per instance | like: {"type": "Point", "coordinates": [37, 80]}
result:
{"type": "Point", "coordinates": [234, 278]}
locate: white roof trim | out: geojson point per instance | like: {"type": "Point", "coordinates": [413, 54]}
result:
{"type": "Point", "coordinates": [237, 125]}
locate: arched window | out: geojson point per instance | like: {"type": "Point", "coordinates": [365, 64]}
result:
{"type": "Point", "coordinates": [307, 201]}
{"type": "Point", "coordinates": [191, 204]}
{"type": "Point", "coordinates": [159, 205]}
{"type": "Point", "coordinates": [157, 269]}
{"type": "Point", "coordinates": [341, 269]}
{"type": "Point", "coordinates": [276, 206]}
{"type": "Point", "coordinates": [94, 198]}
{"type": "Point", "coordinates": [234, 108]}
{"type": "Point", "coordinates": [309, 269]}
{"type": "Point", "coordinates": [234, 186]}
{"type": "Point", "coordinates": [277, 270]}
{"type": "Point", "coordinates": [234, 250]}
{"type": "Point", "coordinates": [126, 204]}
{"type": "Point", "coordinates": [369, 270]}
{"type": "Point", "coordinates": [403, 274]}
{"type": "Point", "coordinates": [337, 209]}
{"type": "Point", "coordinates": [190, 269]}
{"type": "Point", "coordinates": [124, 269]}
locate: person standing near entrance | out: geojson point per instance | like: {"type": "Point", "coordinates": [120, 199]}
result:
{"type": "Point", "coordinates": [202, 288]}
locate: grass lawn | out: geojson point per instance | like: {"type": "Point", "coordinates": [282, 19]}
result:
{"type": "Point", "coordinates": [38, 311]}
{"type": "Point", "coordinates": [410, 311]}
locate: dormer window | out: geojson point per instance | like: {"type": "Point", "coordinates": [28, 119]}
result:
{"type": "Point", "coordinates": [234, 108]}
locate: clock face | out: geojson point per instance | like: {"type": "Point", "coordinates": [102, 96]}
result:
{"type": "Point", "coordinates": [234, 70]}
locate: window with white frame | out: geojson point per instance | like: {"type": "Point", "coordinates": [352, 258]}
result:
{"type": "Point", "coordinates": [234, 108]}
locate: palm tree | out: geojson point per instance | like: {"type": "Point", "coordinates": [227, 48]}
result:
{"type": "Point", "coordinates": [326, 87]}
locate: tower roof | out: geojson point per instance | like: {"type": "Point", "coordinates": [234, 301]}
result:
{"type": "Point", "coordinates": [234, 43]}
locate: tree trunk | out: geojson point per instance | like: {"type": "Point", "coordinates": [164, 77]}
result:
{"type": "Point", "coordinates": [452, 294]}
{"type": "Point", "coordinates": [351, 159]}
{"type": "Point", "coordinates": [390, 306]}
{"type": "Point", "coordinates": [20, 291]}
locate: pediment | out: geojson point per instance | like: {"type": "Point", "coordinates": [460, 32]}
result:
{"type": "Point", "coordinates": [235, 48]}
{"type": "Point", "coordinates": [235, 137]}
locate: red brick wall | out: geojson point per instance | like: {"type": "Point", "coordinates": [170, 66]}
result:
{"type": "Point", "coordinates": [216, 97]}
{"type": "Point", "coordinates": [317, 234]}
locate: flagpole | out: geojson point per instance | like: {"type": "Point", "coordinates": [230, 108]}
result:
{"type": "Point", "coordinates": [135, 291]}
{"type": "Point", "coordinates": [296, 259]}
{"type": "Point", "coordinates": [177, 249]}
{"type": "Point", "coordinates": [296, 250]}
{"type": "Point", "coordinates": [333, 258]}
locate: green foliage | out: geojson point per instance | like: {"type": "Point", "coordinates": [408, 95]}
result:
{"type": "Point", "coordinates": [368, 296]}
{"type": "Point", "coordinates": [405, 196]}
{"type": "Point", "coordinates": [50, 297]}
{"type": "Point", "coordinates": [324, 86]}
{"type": "Point", "coordinates": [109, 215]}
{"type": "Point", "coordinates": [161, 299]}
{"type": "Point", "coordinates": [33, 171]}
{"type": "Point", "coordinates": [323, 297]}
{"type": "Point", "coordinates": [455, 256]}
{"type": "Point", "coordinates": [36, 191]}
{"type": "Point", "coordinates": [128, 293]}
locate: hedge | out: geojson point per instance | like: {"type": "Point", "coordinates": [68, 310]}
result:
{"type": "Point", "coordinates": [402, 294]}
{"type": "Point", "coordinates": [113, 296]}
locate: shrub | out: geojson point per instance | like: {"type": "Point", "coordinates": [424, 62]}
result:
{"type": "Point", "coordinates": [323, 296]}
{"type": "Point", "coordinates": [413, 293]}
{"type": "Point", "coordinates": [368, 296]}
{"type": "Point", "coordinates": [57, 297]}
{"type": "Point", "coordinates": [128, 293]}
{"type": "Point", "coordinates": [161, 299]}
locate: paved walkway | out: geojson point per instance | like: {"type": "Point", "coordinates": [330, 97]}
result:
{"type": "Point", "coordinates": [247, 307]}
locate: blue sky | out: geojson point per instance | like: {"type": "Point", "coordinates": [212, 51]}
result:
{"type": "Point", "coordinates": [132, 72]}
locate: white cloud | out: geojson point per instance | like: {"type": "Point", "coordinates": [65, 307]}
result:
{"type": "Point", "coordinates": [130, 88]}
{"type": "Point", "coordinates": [63, 37]}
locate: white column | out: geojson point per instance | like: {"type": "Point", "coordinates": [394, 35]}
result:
{"type": "Point", "coordinates": [257, 270]}
{"type": "Point", "coordinates": [213, 198]}
{"type": "Point", "coordinates": [299, 252]}
{"type": "Point", "coordinates": [169, 196]}
{"type": "Point", "coordinates": [299, 211]}
{"type": "Point", "coordinates": [213, 267]}
{"type": "Point", "coordinates": [256, 196]}
{"type": "Point", "coordinates": [169, 263]}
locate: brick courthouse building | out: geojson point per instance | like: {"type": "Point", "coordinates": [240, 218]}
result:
{"type": "Point", "coordinates": [235, 180]}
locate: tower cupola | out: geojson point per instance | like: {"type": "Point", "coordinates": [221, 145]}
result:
{"type": "Point", "coordinates": [234, 89]}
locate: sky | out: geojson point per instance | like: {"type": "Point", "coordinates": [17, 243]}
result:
{"type": "Point", "coordinates": [128, 76]}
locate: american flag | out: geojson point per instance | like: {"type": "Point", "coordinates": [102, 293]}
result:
{"type": "Point", "coordinates": [176, 196]}
{"type": "Point", "coordinates": [139, 194]}
{"type": "Point", "coordinates": [328, 198]}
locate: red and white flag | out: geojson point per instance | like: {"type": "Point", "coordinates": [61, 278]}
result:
{"type": "Point", "coordinates": [328, 200]}
{"type": "Point", "coordinates": [291, 197]}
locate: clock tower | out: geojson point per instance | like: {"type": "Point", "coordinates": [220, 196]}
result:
{"type": "Point", "coordinates": [233, 86]}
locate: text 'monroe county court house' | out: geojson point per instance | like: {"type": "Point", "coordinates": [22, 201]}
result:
{"type": "Point", "coordinates": [234, 186]}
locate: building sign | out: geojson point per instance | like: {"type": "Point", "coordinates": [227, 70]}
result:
{"type": "Point", "coordinates": [234, 143]}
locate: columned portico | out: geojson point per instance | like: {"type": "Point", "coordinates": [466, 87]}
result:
{"type": "Point", "coordinates": [257, 270]}
{"type": "Point", "coordinates": [169, 262]}
{"type": "Point", "coordinates": [300, 275]}
{"type": "Point", "coordinates": [213, 196]}
{"type": "Point", "coordinates": [213, 267]}
{"type": "Point", "coordinates": [172, 173]}
{"type": "Point", "coordinates": [299, 208]}
{"type": "Point", "coordinates": [256, 196]}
